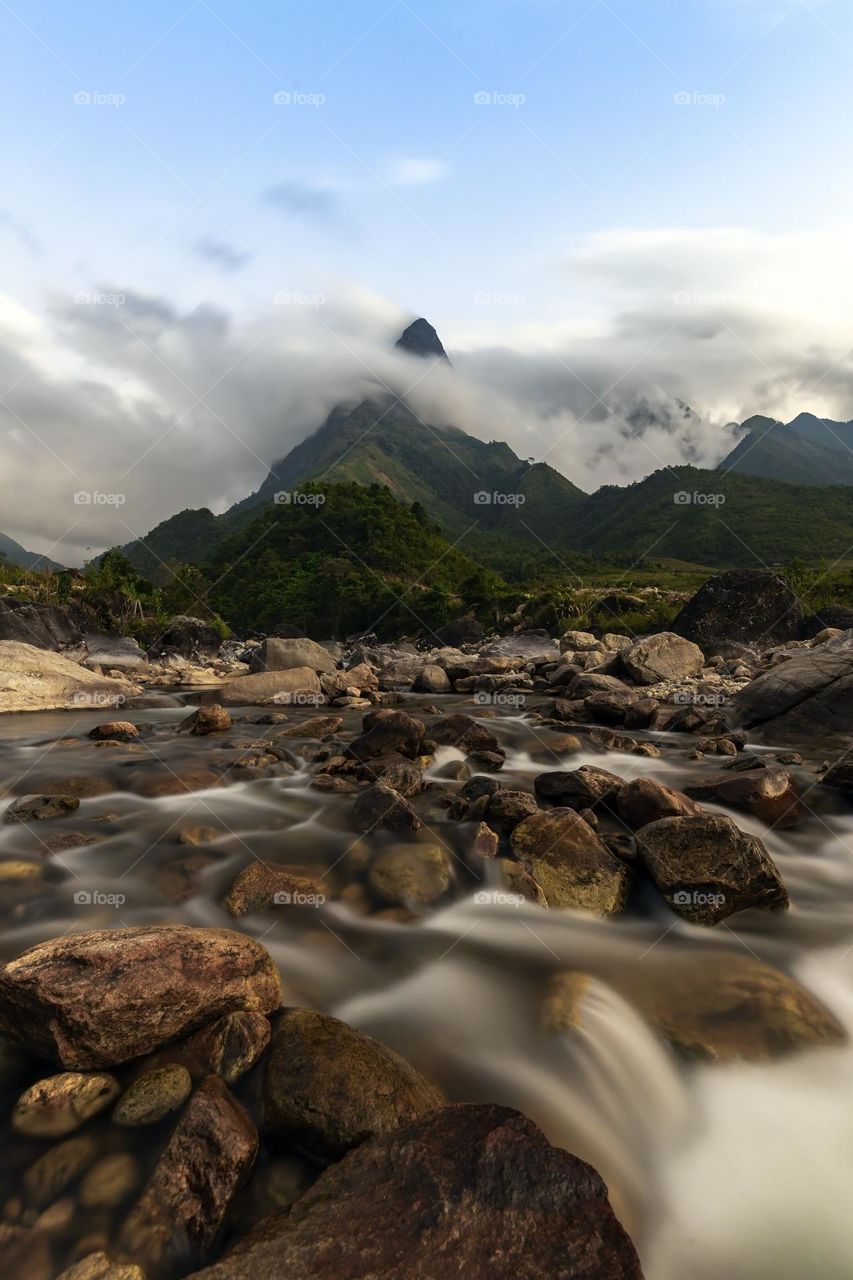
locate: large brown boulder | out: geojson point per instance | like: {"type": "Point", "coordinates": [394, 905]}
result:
{"type": "Point", "coordinates": [473, 1191]}
{"type": "Point", "coordinates": [806, 698]}
{"type": "Point", "coordinates": [298, 685]}
{"type": "Point", "coordinates": [583, 788]}
{"type": "Point", "coordinates": [34, 679]}
{"type": "Point", "coordinates": [388, 731]}
{"type": "Point", "coordinates": [643, 801]}
{"type": "Point", "coordinates": [91, 1000]}
{"type": "Point", "coordinates": [183, 1206]}
{"type": "Point", "coordinates": [707, 868]}
{"type": "Point", "coordinates": [740, 607]}
{"type": "Point", "coordinates": [329, 1087]}
{"type": "Point", "coordinates": [665, 656]}
{"type": "Point", "coordinates": [769, 794]}
{"type": "Point", "coordinates": [285, 655]}
{"type": "Point", "coordinates": [571, 864]}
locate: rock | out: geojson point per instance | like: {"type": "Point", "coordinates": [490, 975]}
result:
{"type": "Point", "coordinates": [314, 727]}
{"type": "Point", "coordinates": [462, 631]}
{"type": "Point", "coordinates": [60, 1165]}
{"type": "Point", "coordinates": [122, 730]}
{"type": "Point", "coordinates": [382, 806]}
{"type": "Point", "coordinates": [329, 1086]}
{"type": "Point", "coordinates": [211, 718]}
{"type": "Point", "coordinates": [359, 677]}
{"type": "Point", "coordinates": [532, 646]}
{"type": "Point", "coordinates": [432, 679]}
{"type": "Point", "coordinates": [229, 1047]}
{"type": "Point", "coordinates": [155, 780]}
{"type": "Point", "coordinates": [707, 869]}
{"type": "Point", "coordinates": [184, 1204]}
{"type": "Point", "coordinates": [99, 1266]}
{"type": "Point", "coordinates": [508, 808]}
{"type": "Point", "coordinates": [837, 617]}
{"type": "Point", "coordinates": [807, 697]}
{"type": "Point", "coordinates": [641, 713]}
{"type": "Point", "coordinates": [285, 655]}
{"type": "Point", "coordinates": [769, 794]}
{"type": "Point", "coordinates": [92, 1000]}
{"type": "Point", "coordinates": [588, 683]}
{"type": "Point", "coordinates": [298, 685]}
{"type": "Point", "coordinates": [579, 642]}
{"type": "Point", "coordinates": [153, 1095]}
{"type": "Point", "coordinates": [740, 607]}
{"type": "Point", "coordinates": [38, 808]}
{"type": "Point", "coordinates": [583, 788]}
{"type": "Point", "coordinates": [33, 679]}
{"type": "Point", "coordinates": [462, 731]}
{"type": "Point", "coordinates": [111, 1181]}
{"type": "Point", "coordinates": [40, 625]}
{"type": "Point", "coordinates": [111, 652]}
{"type": "Point", "coordinates": [191, 638]}
{"type": "Point", "coordinates": [839, 776]}
{"type": "Point", "coordinates": [486, 841]}
{"type": "Point", "coordinates": [643, 801]}
{"type": "Point", "coordinates": [573, 866]}
{"type": "Point", "coordinates": [473, 1191]}
{"type": "Point", "coordinates": [197, 836]}
{"type": "Point", "coordinates": [519, 881]}
{"type": "Point", "coordinates": [608, 708]}
{"type": "Point", "coordinates": [724, 1006]}
{"type": "Point", "coordinates": [263, 885]}
{"type": "Point", "coordinates": [386, 731]}
{"type": "Point", "coordinates": [56, 1106]}
{"type": "Point", "coordinates": [410, 875]}
{"type": "Point", "coordinates": [665, 656]}
{"type": "Point", "coordinates": [561, 1004]}
{"type": "Point", "coordinates": [400, 673]}
{"type": "Point", "coordinates": [405, 777]}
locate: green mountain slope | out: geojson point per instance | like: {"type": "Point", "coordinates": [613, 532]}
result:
{"type": "Point", "coordinates": [808, 450]}
{"type": "Point", "coordinates": [14, 553]}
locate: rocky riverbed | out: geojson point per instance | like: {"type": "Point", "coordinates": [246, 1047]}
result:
{"type": "Point", "coordinates": [522, 957]}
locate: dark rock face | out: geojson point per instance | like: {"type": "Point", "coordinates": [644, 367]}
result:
{"type": "Point", "coordinates": [420, 339]}
{"type": "Point", "coordinates": [462, 731]}
{"type": "Point", "coordinates": [838, 616]}
{"type": "Point", "coordinates": [192, 638]}
{"type": "Point", "coordinates": [45, 626]}
{"type": "Point", "coordinates": [810, 695]}
{"type": "Point", "coordinates": [572, 865]}
{"type": "Point", "coordinates": [386, 731]}
{"type": "Point", "coordinates": [462, 631]}
{"type": "Point", "coordinates": [582, 788]}
{"type": "Point", "coordinates": [329, 1087]}
{"type": "Point", "coordinates": [90, 1000]}
{"type": "Point", "coordinates": [473, 1191]}
{"type": "Point", "coordinates": [741, 606]}
{"type": "Point", "coordinates": [180, 1211]}
{"type": "Point", "coordinates": [707, 868]}
{"type": "Point", "coordinates": [382, 806]}
{"type": "Point", "coordinates": [769, 794]}
{"type": "Point", "coordinates": [644, 800]}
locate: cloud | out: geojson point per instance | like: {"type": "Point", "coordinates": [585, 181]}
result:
{"type": "Point", "coordinates": [304, 199]}
{"type": "Point", "coordinates": [22, 234]}
{"type": "Point", "coordinates": [413, 171]}
{"type": "Point", "coordinates": [222, 254]}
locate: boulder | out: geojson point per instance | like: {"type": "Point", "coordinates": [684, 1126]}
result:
{"type": "Point", "coordinates": [34, 679]}
{"type": "Point", "coordinates": [114, 730]}
{"type": "Point", "coordinates": [153, 1095]}
{"type": "Point", "coordinates": [329, 1087]}
{"type": "Point", "coordinates": [400, 673]}
{"type": "Point", "coordinates": [410, 875]}
{"type": "Point", "coordinates": [382, 806]}
{"type": "Point", "coordinates": [838, 617]}
{"type": "Point", "coordinates": [463, 731]}
{"type": "Point", "coordinates": [100, 1266]}
{"type": "Point", "coordinates": [92, 1000]}
{"type": "Point", "coordinates": [264, 885]}
{"type": "Point", "coordinates": [386, 731]}
{"type": "Point", "coordinates": [473, 1191]}
{"type": "Point", "coordinates": [183, 1205]}
{"type": "Point", "coordinates": [37, 808]}
{"type": "Point", "coordinates": [190, 638]}
{"type": "Point", "coordinates": [432, 679]}
{"type": "Point", "coordinates": [508, 808]}
{"type": "Point", "coordinates": [275, 654]}
{"type": "Point", "coordinates": [583, 788]}
{"type": "Point", "coordinates": [661, 657]}
{"type": "Point", "coordinates": [707, 868]}
{"type": "Point", "coordinates": [572, 865]}
{"type": "Point", "coordinates": [211, 718]}
{"type": "Point", "coordinates": [42, 626]}
{"type": "Point", "coordinates": [643, 801]}
{"type": "Point", "coordinates": [532, 646]}
{"type": "Point", "coordinates": [769, 794]}
{"type": "Point", "coordinates": [119, 653]}
{"type": "Point", "coordinates": [57, 1105]}
{"type": "Point", "coordinates": [807, 697]}
{"type": "Point", "coordinates": [229, 1046]}
{"type": "Point", "coordinates": [335, 684]}
{"type": "Point", "coordinates": [740, 607]}
{"type": "Point", "coordinates": [462, 631]}
{"type": "Point", "coordinates": [297, 685]}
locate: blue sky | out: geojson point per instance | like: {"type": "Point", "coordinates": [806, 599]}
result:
{"type": "Point", "coordinates": [573, 177]}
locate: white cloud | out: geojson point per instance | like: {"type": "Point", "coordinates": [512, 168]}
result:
{"type": "Point", "coordinates": [416, 171]}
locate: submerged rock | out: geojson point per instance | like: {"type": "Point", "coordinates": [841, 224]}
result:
{"type": "Point", "coordinates": [473, 1191]}
{"type": "Point", "coordinates": [410, 874]}
{"type": "Point", "coordinates": [329, 1087]}
{"type": "Point", "coordinates": [37, 808]}
{"type": "Point", "coordinates": [91, 1000]}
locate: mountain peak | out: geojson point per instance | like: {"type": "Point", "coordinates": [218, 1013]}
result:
{"type": "Point", "coordinates": [420, 339]}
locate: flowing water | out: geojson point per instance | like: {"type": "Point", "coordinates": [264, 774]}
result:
{"type": "Point", "coordinates": [736, 1171]}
